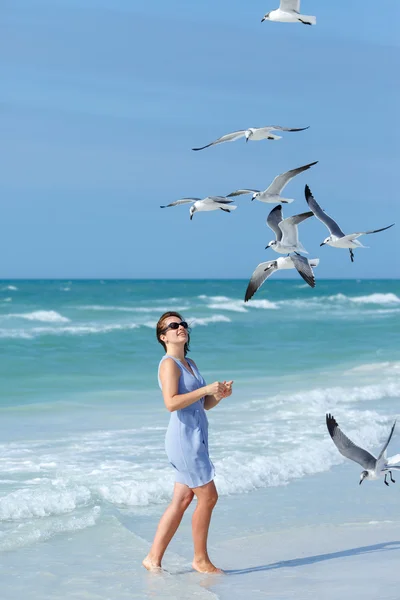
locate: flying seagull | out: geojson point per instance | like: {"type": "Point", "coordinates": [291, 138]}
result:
{"type": "Point", "coordinates": [272, 193]}
{"type": "Point", "coordinates": [254, 134]}
{"type": "Point", "coordinates": [209, 203]}
{"type": "Point", "coordinates": [374, 467]}
{"type": "Point", "coordinates": [265, 270]}
{"type": "Point", "coordinates": [289, 12]}
{"type": "Point", "coordinates": [337, 239]}
{"type": "Point", "coordinates": [286, 231]}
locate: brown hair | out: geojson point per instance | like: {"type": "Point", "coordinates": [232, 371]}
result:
{"type": "Point", "coordinates": [160, 329]}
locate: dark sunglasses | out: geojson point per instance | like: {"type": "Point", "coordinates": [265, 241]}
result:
{"type": "Point", "coordinates": [176, 325]}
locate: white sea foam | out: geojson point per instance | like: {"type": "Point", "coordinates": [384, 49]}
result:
{"type": "Point", "coordinates": [69, 330]}
{"type": "Point", "coordinates": [41, 502]}
{"type": "Point", "coordinates": [135, 309]}
{"type": "Point", "coordinates": [339, 301]}
{"type": "Point", "coordinates": [40, 530]}
{"type": "Point", "coordinates": [7, 299]}
{"type": "Point", "coordinates": [46, 316]}
{"type": "Point", "coordinates": [265, 304]}
{"type": "Point", "coordinates": [376, 299]}
{"type": "Point", "coordinates": [12, 288]}
{"type": "Point", "coordinates": [206, 320]}
{"type": "Point", "coordinates": [232, 305]}
{"type": "Point", "coordinates": [225, 303]}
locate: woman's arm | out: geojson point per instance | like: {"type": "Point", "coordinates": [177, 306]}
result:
{"type": "Point", "coordinates": [210, 402]}
{"type": "Point", "coordinates": [169, 377]}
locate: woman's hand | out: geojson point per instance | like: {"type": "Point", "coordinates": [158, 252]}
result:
{"type": "Point", "coordinates": [227, 389]}
{"type": "Point", "coordinates": [215, 389]}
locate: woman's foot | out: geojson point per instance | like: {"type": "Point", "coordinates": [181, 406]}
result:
{"type": "Point", "coordinates": [150, 564]}
{"type": "Point", "coordinates": [205, 566]}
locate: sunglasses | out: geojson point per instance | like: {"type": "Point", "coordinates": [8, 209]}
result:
{"type": "Point", "coordinates": [176, 325]}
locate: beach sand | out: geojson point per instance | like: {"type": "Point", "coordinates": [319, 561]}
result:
{"type": "Point", "coordinates": [330, 562]}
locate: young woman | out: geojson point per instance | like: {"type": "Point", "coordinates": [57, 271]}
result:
{"type": "Point", "coordinates": [187, 397]}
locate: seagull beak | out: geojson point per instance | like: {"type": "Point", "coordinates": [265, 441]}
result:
{"type": "Point", "coordinates": [191, 217]}
{"type": "Point", "coordinates": [360, 482]}
{"type": "Point", "coordinates": [323, 244]}
{"type": "Point", "coordinates": [263, 19]}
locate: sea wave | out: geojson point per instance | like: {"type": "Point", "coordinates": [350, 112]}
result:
{"type": "Point", "coordinates": [70, 330]}
{"type": "Point", "coordinates": [26, 533]}
{"type": "Point", "coordinates": [134, 309]}
{"type": "Point", "coordinates": [340, 301]}
{"type": "Point", "coordinates": [236, 305]}
{"type": "Point", "coordinates": [12, 288]}
{"type": "Point", "coordinates": [45, 316]}
{"type": "Point", "coordinates": [376, 299]}
{"type": "Point", "coordinates": [42, 502]}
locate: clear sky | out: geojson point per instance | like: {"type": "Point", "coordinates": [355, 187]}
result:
{"type": "Point", "coordinates": [101, 102]}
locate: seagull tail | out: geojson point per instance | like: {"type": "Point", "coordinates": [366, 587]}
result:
{"type": "Point", "coordinates": [308, 20]}
{"type": "Point", "coordinates": [314, 262]}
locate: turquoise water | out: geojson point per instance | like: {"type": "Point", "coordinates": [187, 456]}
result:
{"type": "Point", "coordinates": [82, 420]}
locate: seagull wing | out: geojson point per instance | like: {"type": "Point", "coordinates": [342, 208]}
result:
{"type": "Point", "coordinates": [393, 460]}
{"type": "Point", "coordinates": [216, 200]}
{"type": "Point", "coordinates": [290, 5]}
{"type": "Point", "coordinates": [289, 228]}
{"type": "Point", "coordinates": [282, 180]}
{"type": "Point", "coordinates": [240, 192]}
{"type": "Point", "coordinates": [304, 269]}
{"type": "Point", "coordinates": [321, 215]}
{"type": "Point", "coordinates": [261, 273]}
{"type": "Point", "coordinates": [386, 444]}
{"type": "Point", "coordinates": [347, 447]}
{"type": "Point", "coordinates": [229, 137]}
{"type": "Point", "coordinates": [377, 230]}
{"type": "Point", "coordinates": [279, 128]}
{"type": "Point", "coordinates": [183, 201]}
{"type": "Point", "coordinates": [274, 218]}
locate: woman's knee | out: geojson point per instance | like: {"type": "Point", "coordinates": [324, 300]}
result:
{"type": "Point", "coordinates": [210, 499]}
{"type": "Point", "coordinates": [183, 501]}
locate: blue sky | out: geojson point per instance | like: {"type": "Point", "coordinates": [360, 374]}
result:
{"type": "Point", "coordinates": [102, 100]}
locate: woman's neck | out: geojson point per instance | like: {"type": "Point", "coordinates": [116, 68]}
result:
{"type": "Point", "coordinates": [178, 353]}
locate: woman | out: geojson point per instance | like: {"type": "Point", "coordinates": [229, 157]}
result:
{"type": "Point", "coordinates": [186, 396]}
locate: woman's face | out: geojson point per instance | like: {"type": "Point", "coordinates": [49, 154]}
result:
{"type": "Point", "coordinates": [173, 336]}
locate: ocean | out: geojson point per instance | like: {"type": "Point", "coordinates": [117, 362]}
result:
{"type": "Point", "coordinates": [83, 473]}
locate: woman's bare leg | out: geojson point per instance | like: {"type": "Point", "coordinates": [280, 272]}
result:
{"type": "Point", "coordinates": [168, 525]}
{"type": "Point", "coordinates": [207, 497]}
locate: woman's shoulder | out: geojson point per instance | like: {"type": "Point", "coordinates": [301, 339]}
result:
{"type": "Point", "coordinates": [168, 363]}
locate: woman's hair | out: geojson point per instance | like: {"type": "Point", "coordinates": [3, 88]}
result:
{"type": "Point", "coordinates": [160, 329]}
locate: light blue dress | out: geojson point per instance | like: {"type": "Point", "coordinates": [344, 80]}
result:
{"type": "Point", "coordinates": [186, 440]}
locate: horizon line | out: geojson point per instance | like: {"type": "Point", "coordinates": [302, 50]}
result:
{"type": "Point", "coordinates": [7, 279]}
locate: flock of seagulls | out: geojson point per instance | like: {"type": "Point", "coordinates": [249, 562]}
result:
{"type": "Point", "coordinates": [285, 229]}
{"type": "Point", "coordinates": [287, 243]}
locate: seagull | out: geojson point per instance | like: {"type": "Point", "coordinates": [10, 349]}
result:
{"type": "Point", "coordinates": [374, 467]}
{"type": "Point", "coordinates": [286, 232]}
{"type": "Point", "coordinates": [265, 270]}
{"type": "Point", "coordinates": [337, 239]}
{"type": "Point", "coordinates": [289, 12]}
{"type": "Point", "coordinates": [272, 193]}
{"type": "Point", "coordinates": [209, 203]}
{"type": "Point", "coordinates": [254, 134]}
